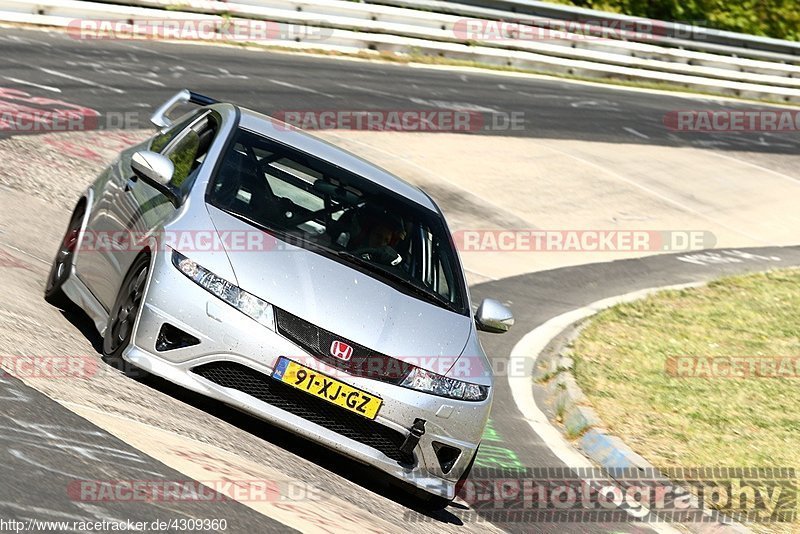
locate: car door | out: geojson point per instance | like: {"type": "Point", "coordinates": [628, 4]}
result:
{"type": "Point", "coordinates": [134, 208]}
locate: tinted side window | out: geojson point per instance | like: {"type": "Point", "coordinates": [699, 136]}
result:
{"type": "Point", "coordinates": [163, 139]}
{"type": "Point", "coordinates": [188, 149]}
{"type": "Point", "coordinates": [185, 156]}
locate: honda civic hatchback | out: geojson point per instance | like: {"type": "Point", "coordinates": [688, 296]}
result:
{"type": "Point", "coordinates": [243, 259]}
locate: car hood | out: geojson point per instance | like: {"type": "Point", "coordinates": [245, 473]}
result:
{"type": "Point", "coordinates": [343, 300]}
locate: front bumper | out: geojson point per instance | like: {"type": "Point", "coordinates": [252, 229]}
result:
{"type": "Point", "coordinates": [227, 335]}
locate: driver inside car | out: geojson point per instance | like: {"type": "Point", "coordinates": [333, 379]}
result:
{"type": "Point", "coordinates": [376, 239]}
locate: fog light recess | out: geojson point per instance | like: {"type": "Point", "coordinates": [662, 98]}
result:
{"type": "Point", "coordinates": [446, 455]}
{"type": "Point", "coordinates": [170, 338]}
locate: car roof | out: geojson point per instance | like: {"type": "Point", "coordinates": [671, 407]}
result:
{"type": "Point", "coordinates": [310, 144]}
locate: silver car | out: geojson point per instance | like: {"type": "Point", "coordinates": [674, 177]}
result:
{"type": "Point", "coordinates": [241, 258]}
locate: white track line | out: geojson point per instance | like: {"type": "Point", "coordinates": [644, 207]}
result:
{"type": "Point", "coordinates": [24, 82]}
{"type": "Point", "coordinates": [794, 180]}
{"type": "Point", "coordinates": [37, 258]}
{"type": "Point", "coordinates": [634, 132]}
{"type": "Point", "coordinates": [82, 80]}
{"type": "Point", "coordinates": [301, 88]}
{"type": "Point", "coordinates": [528, 349]}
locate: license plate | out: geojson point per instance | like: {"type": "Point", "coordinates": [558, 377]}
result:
{"type": "Point", "coordinates": [327, 388]}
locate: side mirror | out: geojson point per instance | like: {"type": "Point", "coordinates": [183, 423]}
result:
{"type": "Point", "coordinates": [492, 316]}
{"type": "Point", "coordinates": [155, 170]}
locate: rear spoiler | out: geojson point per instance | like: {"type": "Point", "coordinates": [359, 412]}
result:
{"type": "Point", "coordinates": [161, 116]}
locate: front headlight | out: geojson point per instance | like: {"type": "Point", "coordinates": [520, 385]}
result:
{"type": "Point", "coordinates": [436, 384]}
{"type": "Point", "coordinates": [247, 303]}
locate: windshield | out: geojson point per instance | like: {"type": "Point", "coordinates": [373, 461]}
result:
{"type": "Point", "coordinates": [312, 202]}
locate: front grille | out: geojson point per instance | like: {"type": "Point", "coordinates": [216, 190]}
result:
{"type": "Point", "coordinates": [364, 361]}
{"type": "Point", "coordinates": [240, 377]}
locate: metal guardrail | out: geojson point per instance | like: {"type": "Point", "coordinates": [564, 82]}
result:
{"type": "Point", "coordinates": [680, 39]}
{"type": "Point", "coordinates": [440, 27]}
{"type": "Point", "coordinates": [357, 26]}
{"type": "Point", "coordinates": [673, 29]}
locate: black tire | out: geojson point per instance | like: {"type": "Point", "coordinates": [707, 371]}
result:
{"type": "Point", "coordinates": [123, 316]}
{"type": "Point", "coordinates": [62, 264]}
{"type": "Point", "coordinates": [465, 475]}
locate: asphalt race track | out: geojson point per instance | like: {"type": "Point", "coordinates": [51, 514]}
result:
{"type": "Point", "coordinates": [125, 76]}
{"type": "Point", "coordinates": [46, 445]}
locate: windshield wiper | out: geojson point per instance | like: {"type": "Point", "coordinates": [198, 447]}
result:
{"type": "Point", "coordinates": [428, 295]}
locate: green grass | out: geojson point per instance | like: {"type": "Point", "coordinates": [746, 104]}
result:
{"type": "Point", "coordinates": [621, 361]}
{"type": "Point", "coordinates": [773, 18]}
